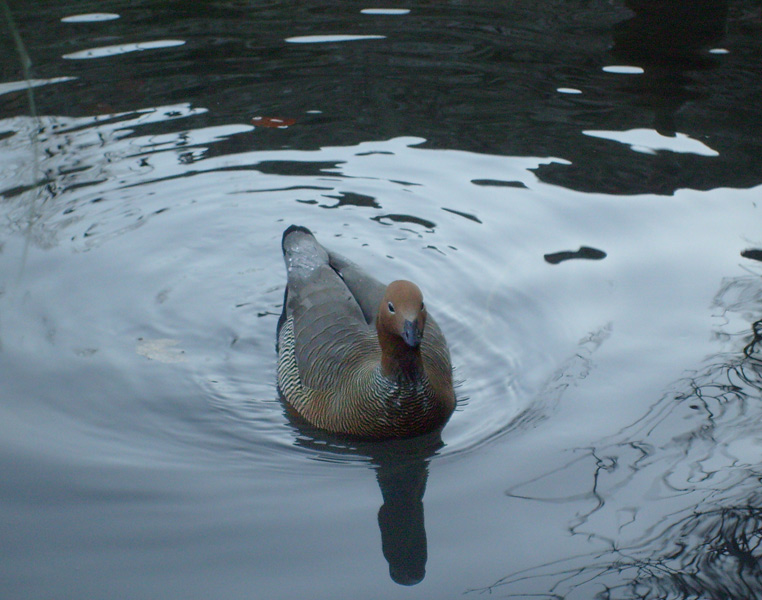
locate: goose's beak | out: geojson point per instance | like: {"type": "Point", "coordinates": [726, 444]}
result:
{"type": "Point", "coordinates": [411, 334]}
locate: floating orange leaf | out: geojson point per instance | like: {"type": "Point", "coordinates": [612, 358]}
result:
{"type": "Point", "coordinates": [279, 122]}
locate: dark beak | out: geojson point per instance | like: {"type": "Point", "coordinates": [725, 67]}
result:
{"type": "Point", "coordinates": [411, 334]}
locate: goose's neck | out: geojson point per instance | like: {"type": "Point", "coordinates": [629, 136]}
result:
{"type": "Point", "coordinates": [399, 361]}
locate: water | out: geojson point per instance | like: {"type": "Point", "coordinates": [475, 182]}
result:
{"type": "Point", "coordinates": [574, 186]}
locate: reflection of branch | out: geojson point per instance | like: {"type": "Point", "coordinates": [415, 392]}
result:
{"type": "Point", "coordinates": [26, 64]}
{"type": "Point", "coordinates": [686, 474]}
{"type": "Point", "coordinates": [751, 347]}
{"type": "Point", "coordinates": [715, 556]}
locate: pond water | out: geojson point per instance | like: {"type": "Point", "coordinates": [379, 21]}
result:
{"type": "Point", "coordinates": [575, 186]}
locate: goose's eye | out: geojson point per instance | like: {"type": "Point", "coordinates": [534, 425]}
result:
{"type": "Point", "coordinates": [423, 306]}
{"type": "Point", "coordinates": [390, 306]}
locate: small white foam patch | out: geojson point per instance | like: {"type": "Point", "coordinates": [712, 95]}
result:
{"type": "Point", "coordinates": [161, 350]}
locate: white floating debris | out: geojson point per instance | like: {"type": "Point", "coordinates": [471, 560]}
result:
{"type": "Point", "coordinates": [568, 91]}
{"type": "Point", "coordinates": [162, 350]}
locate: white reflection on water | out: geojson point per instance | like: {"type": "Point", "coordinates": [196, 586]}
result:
{"type": "Point", "coordinates": [624, 69]}
{"type": "Point", "coordinates": [117, 49]}
{"type": "Point", "coordinates": [90, 18]}
{"type": "Point", "coordinates": [16, 86]}
{"type": "Point", "coordinates": [385, 11]}
{"type": "Point", "coordinates": [649, 141]}
{"type": "Point", "coordinates": [328, 39]}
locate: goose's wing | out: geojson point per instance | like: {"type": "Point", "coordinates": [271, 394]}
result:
{"type": "Point", "coordinates": [367, 290]}
{"type": "Point", "coordinates": [328, 322]}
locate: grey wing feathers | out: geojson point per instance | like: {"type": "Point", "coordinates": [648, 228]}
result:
{"type": "Point", "coordinates": [367, 291]}
{"type": "Point", "coordinates": [327, 318]}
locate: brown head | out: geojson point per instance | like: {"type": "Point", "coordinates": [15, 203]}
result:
{"type": "Point", "coordinates": [400, 324]}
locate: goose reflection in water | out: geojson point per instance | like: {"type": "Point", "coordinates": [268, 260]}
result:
{"type": "Point", "coordinates": [402, 469]}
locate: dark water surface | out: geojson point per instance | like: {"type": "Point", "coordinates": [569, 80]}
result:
{"type": "Point", "coordinates": [576, 187]}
